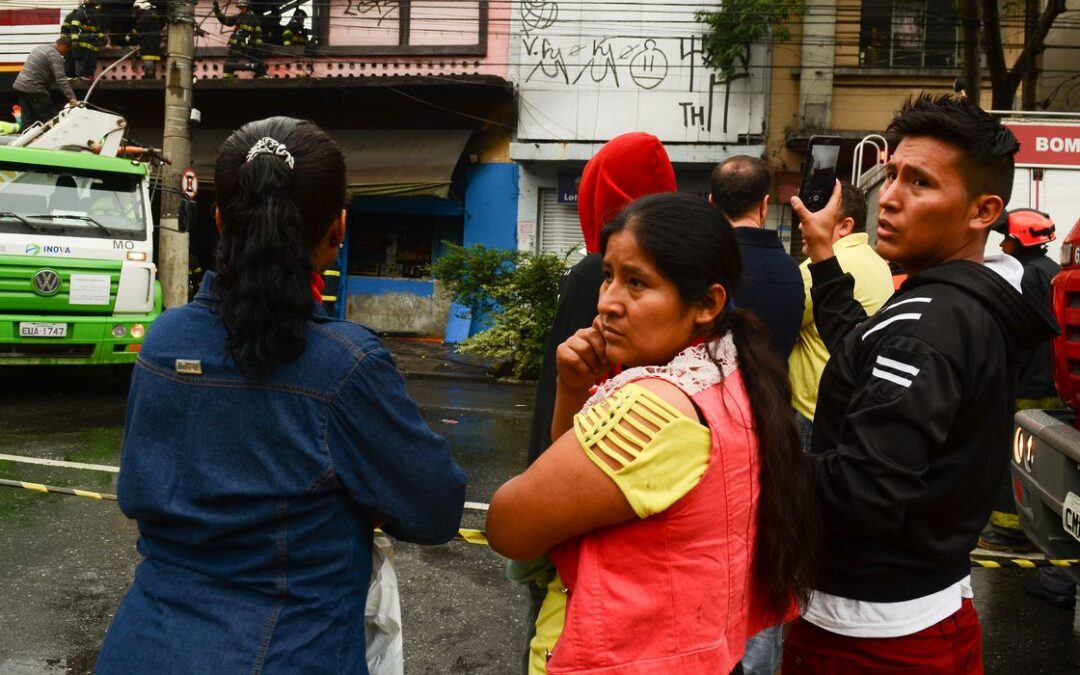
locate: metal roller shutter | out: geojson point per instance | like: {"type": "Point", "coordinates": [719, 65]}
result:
{"type": "Point", "coordinates": [559, 227]}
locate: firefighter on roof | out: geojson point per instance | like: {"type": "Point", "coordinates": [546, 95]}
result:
{"type": "Point", "coordinates": [147, 35]}
{"type": "Point", "coordinates": [245, 44]}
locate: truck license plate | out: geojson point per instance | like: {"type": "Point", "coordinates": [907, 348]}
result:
{"type": "Point", "coordinates": [36, 329]}
{"type": "Point", "coordinates": [1070, 515]}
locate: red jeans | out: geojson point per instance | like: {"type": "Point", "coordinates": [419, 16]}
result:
{"type": "Point", "coordinates": [953, 645]}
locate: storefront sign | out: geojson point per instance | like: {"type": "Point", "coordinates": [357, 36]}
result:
{"type": "Point", "coordinates": [568, 187]}
{"type": "Point", "coordinates": [1047, 145]}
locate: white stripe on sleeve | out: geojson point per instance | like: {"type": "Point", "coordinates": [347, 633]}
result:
{"type": "Point", "coordinates": [897, 365]}
{"type": "Point", "coordinates": [904, 302]}
{"type": "Point", "coordinates": [895, 379]}
{"type": "Point", "coordinates": [893, 319]}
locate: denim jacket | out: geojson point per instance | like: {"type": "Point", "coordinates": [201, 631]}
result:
{"type": "Point", "coordinates": [256, 501]}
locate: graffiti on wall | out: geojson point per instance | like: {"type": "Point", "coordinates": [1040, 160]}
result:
{"type": "Point", "coordinates": [569, 58]}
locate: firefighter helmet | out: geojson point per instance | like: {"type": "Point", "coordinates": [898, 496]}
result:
{"type": "Point", "coordinates": [1028, 227]}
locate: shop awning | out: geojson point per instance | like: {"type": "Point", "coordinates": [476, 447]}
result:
{"type": "Point", "coordinates": [383, 162]}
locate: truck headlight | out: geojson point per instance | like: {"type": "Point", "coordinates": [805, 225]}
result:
{"type": "Point", "coordinates": [119, 331]}
{"type": "Point", "coordinates": [138, 256]}
{"type": "Point", "coordinates": [1066, 254]}
{"type": "Point", "coordinates": [1018, 446]}
{"type": "Point", "coordinates": [138, 330]}
{"type": "Point", "coordinates": [1029, 453]}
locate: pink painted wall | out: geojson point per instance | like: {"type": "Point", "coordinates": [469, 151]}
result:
{"type": "Point", "coordinates": [375, 23]}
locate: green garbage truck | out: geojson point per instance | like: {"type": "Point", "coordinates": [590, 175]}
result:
{"type": "Point", "coordinates": [78, 284]}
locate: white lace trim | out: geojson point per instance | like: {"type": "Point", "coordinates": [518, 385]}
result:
{"type": "Point", "coordinates": [692, 370]}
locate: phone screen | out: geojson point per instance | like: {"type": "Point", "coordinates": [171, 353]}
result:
{"type": "Point", "coordinates": [821, 175]}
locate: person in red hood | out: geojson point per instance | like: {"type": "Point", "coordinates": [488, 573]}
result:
{"type": "Point", "coordinates": [627, 167]}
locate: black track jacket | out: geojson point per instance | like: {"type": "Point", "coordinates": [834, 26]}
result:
{"type": "Point", "coordinates": [914, 410]}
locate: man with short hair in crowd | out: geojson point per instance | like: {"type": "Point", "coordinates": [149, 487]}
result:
{"type": "Point", "coordinates": [913, 402]}
{"type": "Point", "coordinates": [771, 286]}
{"type": "Point", "coordinates": [873, 286]}
{"type": "Point", "coordinates": [43, 69]}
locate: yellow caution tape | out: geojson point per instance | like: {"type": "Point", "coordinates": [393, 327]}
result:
{"type": "Point", "coordinates": [473, 537]}
{"type": "Point", "coordinates": [478, 537]}
{"type": "Point", "coordinates": [38, 487]}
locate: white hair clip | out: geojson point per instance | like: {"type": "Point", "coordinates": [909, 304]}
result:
{"type": "Point", "coordinates": [269, 146]}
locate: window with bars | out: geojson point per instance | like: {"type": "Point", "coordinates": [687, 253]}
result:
{"type": "Point", "coordinates": [909, 34]}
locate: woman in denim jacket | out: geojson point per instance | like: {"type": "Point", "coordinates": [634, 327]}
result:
{"type": "Point", "coordinates": [265, 441]}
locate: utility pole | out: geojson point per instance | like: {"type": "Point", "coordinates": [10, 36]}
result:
{"type": "Point", "coordinates": [173, 244]}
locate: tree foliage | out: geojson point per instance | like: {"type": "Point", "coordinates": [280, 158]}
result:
{"type": "Point", "coordinates": [737, 24]}
{"type": "Point", "coordinates": [1004, 81]}
{"type": "Point", "coordinates": [519, 290]}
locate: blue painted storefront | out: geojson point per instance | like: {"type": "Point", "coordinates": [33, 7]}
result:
{"type": "Point", "coordinates": [488, 216]}
{"type": "Point", "coordinates": [490, 219]}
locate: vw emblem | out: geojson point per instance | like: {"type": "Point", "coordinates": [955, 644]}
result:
{"type": "Point", "coordinates": [46, 282]}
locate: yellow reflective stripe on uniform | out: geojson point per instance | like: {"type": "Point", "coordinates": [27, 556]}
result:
{"type": "Point", "coordinates": [332, 273]}
{"type": "Point", "coordinates": [329, 298]}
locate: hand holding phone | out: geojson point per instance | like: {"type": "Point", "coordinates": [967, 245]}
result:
{"type": "Point", "coordinates": [818, 227]}
{"type": "Point", "coordinates": [819, 171]}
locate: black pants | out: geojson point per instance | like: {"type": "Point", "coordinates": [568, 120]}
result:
{"type": "Point", "coordinates": [85, 62]}
{"type": "Point", "coordinates": [36, 108]}
{"type": "Point", "coordinates": [244, 58]}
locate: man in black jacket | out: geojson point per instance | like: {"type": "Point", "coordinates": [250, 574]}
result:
{"type": "Point", "coordinates": [771, 286]}
{"type": "Point", "coordinates": [915, 403]}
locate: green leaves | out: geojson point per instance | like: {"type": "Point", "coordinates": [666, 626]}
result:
{"type": "Point", "coordinates": [737, 24]}
{"type": "Point", "coordinates": [520, 289]}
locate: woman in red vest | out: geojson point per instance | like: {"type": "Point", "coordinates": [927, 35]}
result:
{"type": "Point", "coordinates": [675, 504]}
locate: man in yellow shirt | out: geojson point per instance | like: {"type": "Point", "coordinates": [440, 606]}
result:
{"type": "Point", "coordinates": [873, 286]}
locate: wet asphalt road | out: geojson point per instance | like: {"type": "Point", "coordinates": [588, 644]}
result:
{"type": "Point", "coordinates": [65, 562]}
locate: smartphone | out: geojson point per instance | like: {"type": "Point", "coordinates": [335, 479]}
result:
{"type": "Point", "coordinates": [819, 171]}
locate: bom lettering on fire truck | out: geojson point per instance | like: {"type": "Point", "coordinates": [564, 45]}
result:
{"type": "Point", "coordinates": [1057, 144]}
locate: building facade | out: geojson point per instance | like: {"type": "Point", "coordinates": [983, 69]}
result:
{"type": "Point", "coordinates": [587, 72]}
{"type": "Point", "coordinates": [415, 91]}
{"type": "Point", "coordinates": [850, 64]}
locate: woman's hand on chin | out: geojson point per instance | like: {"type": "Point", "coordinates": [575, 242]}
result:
{"type": "Point", "coordinates": [582, 359]}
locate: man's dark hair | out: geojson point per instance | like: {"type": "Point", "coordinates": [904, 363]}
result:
{"type": "Point", "coordinates": [985, 145]}
{"type": "Point", "coordinates": [738, 184]}
{"type": "Point", "coordinates": [63, 40]}
{"type": "Point", "coordinates": [853, 205]}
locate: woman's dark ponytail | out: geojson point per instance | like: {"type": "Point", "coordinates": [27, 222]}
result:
{"type": "Point", "coordinates": [272, 216]}
{"type": "Point", "coordinates": [787, 550]}
{"type": "Point", "coordinates": [693, 245]}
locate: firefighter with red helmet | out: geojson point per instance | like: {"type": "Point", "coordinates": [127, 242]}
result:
{"type": "Point", "coordinates": [1026, 232]}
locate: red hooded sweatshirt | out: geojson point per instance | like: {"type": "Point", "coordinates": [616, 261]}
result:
{"type": "Point", "coordinates": [627, 167]}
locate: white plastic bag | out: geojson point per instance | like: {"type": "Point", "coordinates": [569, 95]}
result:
{"type": "Point", "coordinates": [382, 614]}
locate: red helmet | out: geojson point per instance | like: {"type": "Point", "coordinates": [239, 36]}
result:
{"type": "Point", "coordinates": [1027, 226]}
